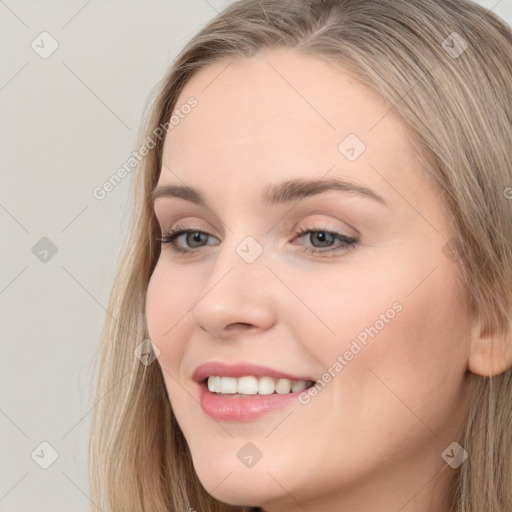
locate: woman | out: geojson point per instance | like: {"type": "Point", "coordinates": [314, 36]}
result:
{"type": "Point", "coordinates": [317, 287]}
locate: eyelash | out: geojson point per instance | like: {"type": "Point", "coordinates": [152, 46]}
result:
{"type": "Point", "coordinates": [347, 242]}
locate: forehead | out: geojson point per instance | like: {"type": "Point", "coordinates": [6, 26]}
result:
{"type": "Point", "coordinates": [283, 113]}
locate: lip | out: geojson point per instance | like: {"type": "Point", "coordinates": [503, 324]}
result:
{"type": "Point", "coordinates": [237, 408]}
{"type": "Point", "coordinates": [242, 369]}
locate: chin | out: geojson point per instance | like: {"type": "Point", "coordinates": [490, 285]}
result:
{"type": "Point", "coordinates": [250, 487]}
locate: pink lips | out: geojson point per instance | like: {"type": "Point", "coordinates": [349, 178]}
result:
{"type": "Point", "coordinates": [240, 370]}
{"type": "Point", "coordinates": [236, 407]}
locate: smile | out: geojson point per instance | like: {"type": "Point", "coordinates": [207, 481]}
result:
{"type": "Point", "coordinates": [252, 385]}
{"type": "Point", "coordinates": [244, 391]}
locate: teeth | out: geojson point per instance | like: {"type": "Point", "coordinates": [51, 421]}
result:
{"type": "Point", "coordinates": [298, 385]}
{"type": "Point", "coordinates": [254, 385]}
{"type": "Point", "coordinates": [228, 385]}
{"type": "Point", "coordinates": [266, 385]}
{"type": "Point", "coordinates": [214, 383]}
{"type": "Point", "coordinates": [247, 385]}
{"type": "Point", "coordinates": [284, 386]}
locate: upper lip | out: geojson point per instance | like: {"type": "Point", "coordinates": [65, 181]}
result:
{"type": "Point", "coordinates": [241, 369]}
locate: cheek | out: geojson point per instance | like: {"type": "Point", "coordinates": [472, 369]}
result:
{"type": "Point", "coordinates": [412, 371]}
{"type": "Point", "coordinates": [167, 303]}
{"type": "Point", "coordinates": [402, 338]}
{"type": "Point", "coordinates": [159, 302]}
{"type": "Point", "coordinates": [346, 311]}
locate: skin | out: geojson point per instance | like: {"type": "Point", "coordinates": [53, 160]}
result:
{"type": "Point", "coordinates": [372, 438]}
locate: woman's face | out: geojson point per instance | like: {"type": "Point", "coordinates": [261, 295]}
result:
{"type": "Point", "coordinates": [365, 302]}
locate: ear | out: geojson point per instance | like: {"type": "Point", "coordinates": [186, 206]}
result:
{"type": "Point", "coordinates": [490, 351]}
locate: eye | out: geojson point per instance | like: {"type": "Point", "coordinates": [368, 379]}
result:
{"type": "Point", "coordinates": [325, 238]}
{"type": "Point", "coordinates": [321, 238]}
{"type": "Point", "coordinates": [194, 237]}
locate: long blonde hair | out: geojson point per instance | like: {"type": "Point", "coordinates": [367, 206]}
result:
{"type": "Point", "coordinates": [446, 67]}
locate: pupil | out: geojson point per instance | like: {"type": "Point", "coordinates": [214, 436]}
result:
{"type": "Point", "coordinates": [323, 235]}
{"type": "Point", "coordinates": [196, 236]}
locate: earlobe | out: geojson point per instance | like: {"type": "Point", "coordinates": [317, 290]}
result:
{"type": "Point", "coordinates": [490, 351]}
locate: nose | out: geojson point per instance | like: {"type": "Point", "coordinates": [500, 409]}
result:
{"type": "Point", "coordinates": [237, 298]}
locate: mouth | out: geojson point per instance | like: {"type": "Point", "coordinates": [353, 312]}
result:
{"type": "Point", "coordinates": [250, 385]}
{"type": "Point", "coordinates": [244, 392]}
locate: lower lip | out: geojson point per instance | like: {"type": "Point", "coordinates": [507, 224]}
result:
{"type": "Point", "coordinates": [242, 408]}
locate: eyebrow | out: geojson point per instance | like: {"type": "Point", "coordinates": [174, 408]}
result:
{"type": "Point", "coordinates": [275, 194]}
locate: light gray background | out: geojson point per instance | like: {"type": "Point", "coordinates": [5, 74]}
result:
{"type": "Point", "coordinates": [68, 122]}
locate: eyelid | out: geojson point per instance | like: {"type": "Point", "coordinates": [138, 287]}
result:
{"type": "Point", "coordinates": [312, 221]}
{"type": "Point", "coordinates": [319, 222]}
{"type": "Point", "coordinates": [347, 242]}
{"type": "Point", "coordinates": [187, 222]}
